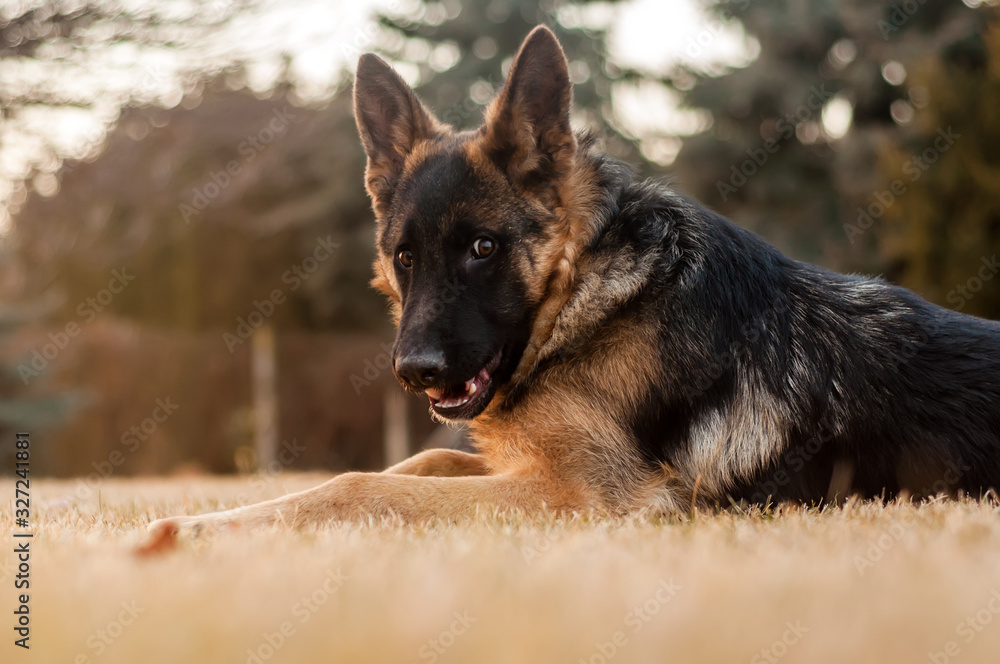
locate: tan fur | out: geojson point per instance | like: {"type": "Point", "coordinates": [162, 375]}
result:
{"type": "Point", "coordinates": [361, 496]}
{"type": "Point", "coordinates": [442, 463]}
{"type": "Point", "coordinates": [730, 446]}
{"type": "Point", "coordinates": [568, 425]}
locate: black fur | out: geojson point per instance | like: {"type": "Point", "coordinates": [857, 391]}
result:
{"type": "Point", "coordinates": [897, 392]}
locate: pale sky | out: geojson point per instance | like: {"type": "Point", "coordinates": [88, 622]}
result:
{"type": "Point", "coordinates": [324, 38]}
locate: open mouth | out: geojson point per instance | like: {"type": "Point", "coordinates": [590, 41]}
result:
{"type": "Point", "coordinates": [468, 399]}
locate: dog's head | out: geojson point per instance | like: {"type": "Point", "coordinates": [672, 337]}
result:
{"type": "Point", "coordinates": [474, 229]}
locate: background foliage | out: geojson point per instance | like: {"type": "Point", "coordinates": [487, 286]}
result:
{"type": "Point", "coordinates": [208, 242]}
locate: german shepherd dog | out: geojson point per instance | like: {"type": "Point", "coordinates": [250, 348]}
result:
{"type": "Point", "coordinates": [616, 347]}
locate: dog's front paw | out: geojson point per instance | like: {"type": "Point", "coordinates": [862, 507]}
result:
{"type": "Point", "coordinates": [165, 533]}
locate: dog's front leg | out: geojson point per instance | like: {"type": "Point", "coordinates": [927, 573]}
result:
{"type": "Point", "coordinates": [442, 463]}
{"type": "Point", "coordinates": [411, 498]}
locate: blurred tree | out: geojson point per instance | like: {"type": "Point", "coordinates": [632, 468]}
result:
{"type": "Point", "coordinates": [457, 54]}
{"type": "Point", "coordinates": [206, 210]}
{"type": "Point", "coordinates": [46, 408]}
{"type": "Point", "coordinates": [159, 199]}
{"type": "Point", "coordinates": [17, 411]}
{"type": "Point", "coordinates": [81, 61]}
{"type": "Point", "coordinates": [792, 151]}
{"type": "Point", "coordinates": [941, 231]}
{"type": "Point", "coordinates": [211, 206]}
{"type": "Point", "coordinates": [793, 147]}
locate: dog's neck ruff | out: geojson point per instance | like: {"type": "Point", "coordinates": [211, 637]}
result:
{"type": "Point", "coordinates": [602, 287]}
{"type": "Point", "coordinates": [586, 286]}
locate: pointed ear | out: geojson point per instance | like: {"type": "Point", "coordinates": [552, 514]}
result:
{"type": "Point", "coordinates": [527, 128]}
{"type": "Point", "coordinates": [391, 120]}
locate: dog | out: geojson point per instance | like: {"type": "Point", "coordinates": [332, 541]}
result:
{"type": "Point", "coordinates": [615, 347]}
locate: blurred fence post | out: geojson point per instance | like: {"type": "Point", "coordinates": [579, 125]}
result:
{"type": "Point", "coordinates": [396, 442]}
{"type": "Point", "coordinates": [265, 395]}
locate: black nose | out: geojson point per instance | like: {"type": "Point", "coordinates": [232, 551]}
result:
{"type": "Point", "coordinates": [420, 368]}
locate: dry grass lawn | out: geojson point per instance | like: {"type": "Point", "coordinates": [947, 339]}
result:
{"type": "Point", "coordinates": [863, 583]}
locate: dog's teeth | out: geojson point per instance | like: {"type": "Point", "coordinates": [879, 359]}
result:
{"type": "Point", "coordinates": [453, 403]}
{"type": "Point", "coordinates": [434, 393]}
{"type": "Point", "coordinates": [470, 387]}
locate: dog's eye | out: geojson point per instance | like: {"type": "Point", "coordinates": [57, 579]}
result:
{"type": "Point", "coordinates": [405, 258]}
{"type": "Point", "coordinates": [483, 247]}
